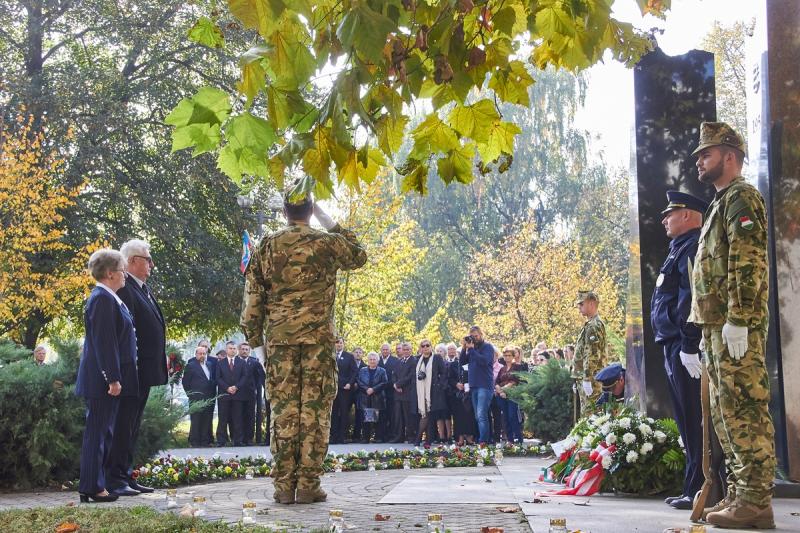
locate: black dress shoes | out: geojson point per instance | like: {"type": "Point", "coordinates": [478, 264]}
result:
{"type": "Point", "coordinates": [125, 491]}
{"type": "Point", "coordinates": [140, 488]}
{"type": "Point", "coordinates": [86, 498]}
{"type": "Point", "coordinates": [668, 500]}
{"type": "Point", "coordinates": [684, 503]}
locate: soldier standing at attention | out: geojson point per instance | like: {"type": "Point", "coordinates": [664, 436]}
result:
{"type": "Point", "coordinates": [291, 285]}
{"type": "Point", "coordinates": [669, 311]}
{"type": "Point", "coordinates": [731, 288]}
{"type": "Point", "coordinates": [590, 352]}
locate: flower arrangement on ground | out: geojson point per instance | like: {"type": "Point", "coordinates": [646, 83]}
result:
{"type": "Point", "coordinates": [621, 451]}
{"type": "Point", "coordinates": [169, 471]}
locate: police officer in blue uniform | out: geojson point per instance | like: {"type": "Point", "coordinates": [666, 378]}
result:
{"type": "Point", "coordinates": [669, 310]}
{"type": "Point", "coordinates": [612, 378]}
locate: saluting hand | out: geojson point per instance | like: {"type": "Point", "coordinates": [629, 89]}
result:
{"type": "Point", "coordinates": [114, 389]}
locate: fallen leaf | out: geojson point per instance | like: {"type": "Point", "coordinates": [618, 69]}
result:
{"type": "Point", "coordinates": [71, 504]}
{"type": "Point", "coordinates": [381, 517]}
{"type": "Point", "coordinates": [795, 514]}
{"type": "Point", "coordinates": [584, 504]}
{"type": "Point", "coordinates": [491, 529]}
{"type": "Point", "coordinates": [67, 527]}
{"type": "Point", "coordinates": [187, 510]}
{"type": "Point", "coordinates": [508, 509]}
{"type": "Point", "coordinates": [536, 500]}
{"type": "Point", "coordinates": [487, 480]}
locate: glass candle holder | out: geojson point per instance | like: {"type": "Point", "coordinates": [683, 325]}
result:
{"type": "Point", "coordinates": [199, 505]}
{"type": "Point", "coordinates": [249, 513]}
{"type": "Point", "coordinates": [371, 465]}
{"type": "Point", "coordinates": [406, 464]}
{"type": "Point", "coordinates": [435, 523]}
{"type": "Point", "coordinates": [479, 461]}
{"type": "Point", "coordinates": [338, 466]}
{"type": "Point", "coordinates": [697, 529]}
{"type": "Point", "coordinates": [498, 456]}
{"type": "Point", "coordinates": [249, 473]}
{"type": "Point", "coordinates": [558, 525]}
{"type": "Point", "coordinates": [336, 521]}
{"type": "Point", "coordinates": [172, 498]}
{"type": "Point", "coordinates": [440, 462]}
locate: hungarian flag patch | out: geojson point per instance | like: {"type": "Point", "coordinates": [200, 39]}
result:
{"type": "Point", "coordinates": [746, 223]}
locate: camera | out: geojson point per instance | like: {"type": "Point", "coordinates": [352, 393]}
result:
{"type": "Point", "coordinates": [468, 339]}
{"type": "Point", "coordinates": [421, 375]}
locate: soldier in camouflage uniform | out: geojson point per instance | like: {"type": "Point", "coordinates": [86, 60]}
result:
{"type": "Point", "coordinates": [590, 352]}
{"type": "Point", "coordinates": [289, 295]}
{"type": "Point", "coordinates": [730, 283]}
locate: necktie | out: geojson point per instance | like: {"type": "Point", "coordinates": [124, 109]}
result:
{"type": "Point", "coordinates": [230, 363]}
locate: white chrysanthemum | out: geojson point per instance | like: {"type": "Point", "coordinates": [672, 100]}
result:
{"type": "Point", "coordinates": [628, 438]}
{"type": "Point", "coordinates": [680, 441]}
{"type": "Point", "coordinates": [644, 429]}
{"type": "Point", "coordinates": [592, 420]}
{"type": "Point", "coordinates": [606, 462]}
{"type": "Point", "coordinates": [660, 436]}
{"type": "Point", "coordinates": [650, 420]}
{"type": "Point", "coordinates": [605, 428]}
{"type": "Point", "coordinates": [646, 448]}
{"type": "Point", "coordinates": [570, 443]}
{"type": "Point", "coordinates": [631, 457]}
{"type": "Point", "coordinates": [588, 439]}
{"type": "Point", "coordinates": [624, 423]}
{"type": "Point", "coordinates": [611, 438]}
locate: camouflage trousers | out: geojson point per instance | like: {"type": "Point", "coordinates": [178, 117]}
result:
{"type": "Point", "coordinates": [302, 386]}
{"type": "Point", "coordinates": [589, 403]}
{"type": "Point", "coordinates": [739, 393]}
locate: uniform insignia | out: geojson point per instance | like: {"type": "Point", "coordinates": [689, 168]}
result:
{"type": "Point", "coordinates": [660, 280]}
{"type": "Point", "coordinates": [593, 338]}
{"type": "Point", "coordinates": [746, 223]}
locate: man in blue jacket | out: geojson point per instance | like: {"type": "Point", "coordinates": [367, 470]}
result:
{"type": "Point", "coordinates": [479, 356]}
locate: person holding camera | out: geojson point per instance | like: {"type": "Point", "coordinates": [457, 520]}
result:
{"type": "Point", "coordinates": [431, 385]}
{"type": "Point", "coordinates": [478, 355]}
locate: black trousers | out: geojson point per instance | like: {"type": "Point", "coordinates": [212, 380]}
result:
{"type": "Point", "coordinates": [248, 420]}
{"type": "Point", "coordinates": [496, 420]}
{"type": "Point", "coordinates": [384, 429]}
{"type": "Point", "coordinates": [126, 433]}
{"type": "Point", "coordinates": [229, 417]}
{"type": "Point", "coordinates": [340, 415]}
{"type": "Point", "coordinates": [97, 437]}
{"type": "Point", "coordinates": [688, 412]}
{"type": "Point", "coordinates": [406, 421]}
{"type": "Point", "coordinates": [200, 426]}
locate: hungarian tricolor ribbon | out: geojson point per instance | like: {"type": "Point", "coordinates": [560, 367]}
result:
{"type": "Point", "coordinates": [586, 481]}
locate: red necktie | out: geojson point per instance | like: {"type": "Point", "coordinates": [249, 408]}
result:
{"type": "Point", "coordinates": [230, 363]}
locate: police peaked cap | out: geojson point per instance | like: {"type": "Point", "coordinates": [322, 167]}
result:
{"type": "Point", "coordinates": [682, 200]}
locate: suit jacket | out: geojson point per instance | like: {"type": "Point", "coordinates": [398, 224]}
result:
{"type": "Point", "coordinates": [259, 376]}
{"type": "Point", "coordinates": [109, 350]}
{"type": "Point", "coordinates": [239, 376]}
{"type": "Point", "coordinates": [390, 366]}
{"type": "Point", "coordinates": [405, 377]}
{"type": "Point", "coordinates": [348, 369]}
{"type": "Point", "coordinates": [195, 383]}
{"type": "Point", "coordinates": [151, 334]}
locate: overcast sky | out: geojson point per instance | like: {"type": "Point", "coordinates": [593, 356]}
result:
{"type": "Point", "coordinates": [608, 113]}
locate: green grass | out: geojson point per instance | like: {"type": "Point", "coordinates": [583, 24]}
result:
{"type": "Point", "coordinates": [98, 519]}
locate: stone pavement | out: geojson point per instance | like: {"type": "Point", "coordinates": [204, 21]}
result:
{"type": "Point", "coordinates": [362, 495]}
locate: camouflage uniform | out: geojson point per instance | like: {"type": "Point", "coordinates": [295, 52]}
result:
{"type": "Point", "coordinates": [590, 358]}
{"type": "Point", "coordinates": [730, 283]}
{"type": "Point", "coordinates": [291, 284]}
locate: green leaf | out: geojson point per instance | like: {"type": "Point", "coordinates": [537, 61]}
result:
{"type": "Point", "coordinates": [228, 163]}
{"type": "Point", "coordinates": [253, 77]}
{"type": "Point", "coordinates": [348, 173]}
{"type": "Point", "coordinates": [365, 30]}
{"type": "Point", "coordinates": [457, 165]}
{"type": "Point", "coordinates": [500, 141]}
{"type": "Point", "coordinates": [552, 20]}
{"type": "Point", "coordinates": [290, 61]}
{"type": "Point", "coordinates": [261, 15]}
{"type": "Point", "coordinates": [207, 33]}
{"type": "Point", "coordinates": [431, 136]}
{"type": "Point", "coordinates": [391, 133]}
{"type": "Point", "coordinates": [203, 137]}
{"type": "Point", "coordinates": [252, 132]}
{"type": "Point", "coordinates": [208, 106]}
{"type": "Point", "coordinates": [474, 121]}
{"type": "Point", "coordinates": [511, 84]}
{"type": "Point", "coordinates": [416, 180]}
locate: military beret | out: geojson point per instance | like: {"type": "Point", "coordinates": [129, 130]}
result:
{"type": "Point", "coordinates": [610, 374]}
{"type": "Point", "coordinates": [717, 133]}
{"type": "Point", "coordinates": [682, 200]}
{"type": "Point", "coordinates": [586, 295]}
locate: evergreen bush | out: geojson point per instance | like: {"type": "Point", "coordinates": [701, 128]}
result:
{"type": "Point", "coordinates": [545, 396]}
{"type": "Point", "coordinates": [43, 420]}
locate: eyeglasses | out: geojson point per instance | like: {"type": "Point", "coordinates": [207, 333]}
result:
{"type": "Point", "coordinates": [148, 259]}
{"type": "Point", "coordinates": [424, 345]}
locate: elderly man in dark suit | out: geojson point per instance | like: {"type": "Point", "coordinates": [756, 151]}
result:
{"type": "Point", "coordinates": [232, 384]}
{"type": "Point", "coordinates": [405, 396]}
{"type": "Point", "coordinates": [107, 370]}
{"type": "Point", "coordinates": [200, 384]}
{"type": "Point", "coordinates": [388, 362]}
{"type": "Point", "coordinates": [348, 374]}
{"type": "Point", "coordinates": [151, 333]}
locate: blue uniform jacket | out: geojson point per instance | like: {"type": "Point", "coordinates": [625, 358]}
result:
{"type": "Point", "coordinates": [109, 350]}
{"type": "Point", "coordinates": [672, 298]}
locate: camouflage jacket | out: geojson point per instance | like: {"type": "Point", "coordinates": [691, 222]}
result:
{"type": "Point", "coordinates": [730, 276]}
{"type": "Point", "coordinates": [590, 350]}
{"type": "Point", "coordinates": [290, 284]}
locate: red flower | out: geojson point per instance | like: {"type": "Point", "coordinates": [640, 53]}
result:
{"type": "Point", "coordinates": [135, 474]}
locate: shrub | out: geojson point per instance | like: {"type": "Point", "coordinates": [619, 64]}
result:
{"type": "Point", "coordinates": [545, 396]}
{"type": "Point", "coordinates": [43, 420]}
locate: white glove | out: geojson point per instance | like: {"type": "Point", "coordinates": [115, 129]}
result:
{"type": "Point", "coordinates": [735, 337]}
{"type": "Point", "coordinates": [323, 218]}
{"type": "Point", "coordinates": [587, 388]}
{"type": "Point", "coordinates": [692, 363]}
{"type": "Point", "coordinates": [259, 353]}
{"type": "Point", "coordinates": [702, 344]}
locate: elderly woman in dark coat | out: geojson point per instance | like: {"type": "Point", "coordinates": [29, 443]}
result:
{"type": "Point", "coordinates": [431, 389]}
{"type": "Point", "coordinates": [372, 381]}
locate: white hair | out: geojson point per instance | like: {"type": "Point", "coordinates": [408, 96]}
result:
{"type": "Point", "coordinates": [373, 355]}
{"type": "Point", "coordinates": [452, 345]}
{"type": "Point", "coordinates": [103, 262]}
{"type": "Point", "coordinates": [134, 247]}
{"type": "Point", "coordinates": [440, 346]}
